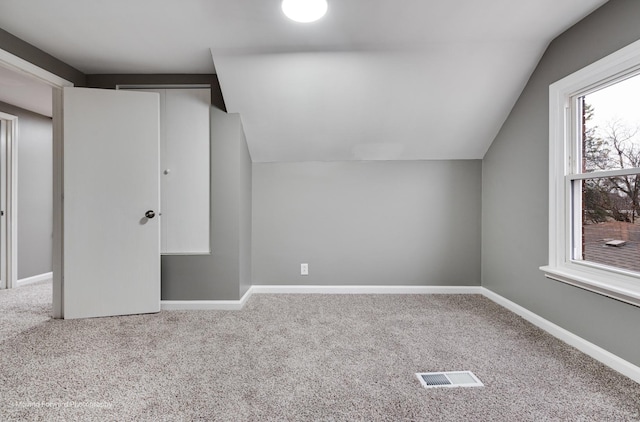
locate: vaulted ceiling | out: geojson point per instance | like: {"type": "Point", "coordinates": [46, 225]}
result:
{"type": "Point", "coordinates": [372, 80]}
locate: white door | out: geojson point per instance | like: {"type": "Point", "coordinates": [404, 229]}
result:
{"type": "Point", "coordinates": [111, 253]}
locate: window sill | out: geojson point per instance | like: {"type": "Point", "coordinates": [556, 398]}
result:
{"type": "Point", "coordinates": [619, 287]}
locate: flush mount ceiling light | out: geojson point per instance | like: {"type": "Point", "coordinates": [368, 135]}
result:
{"type": "Point", "coordinates": [304, 10]}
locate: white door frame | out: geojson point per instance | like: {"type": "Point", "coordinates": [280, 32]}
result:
{"type": "Point", "coordinates": [20, 65]}
{"type": "Point", "coordinates": [9, 204]}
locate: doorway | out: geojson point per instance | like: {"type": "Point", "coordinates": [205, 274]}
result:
{"type": "Point", "coordinates": [8, 201]}
{"type": "Point", "coordinates": [21, 66]}
{"type": "Point", "coordinates": [106, 242]}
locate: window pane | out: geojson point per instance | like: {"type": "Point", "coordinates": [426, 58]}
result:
{"type": "Point", "coordinates": [610, 226]}
{"type": "Point", "coordinates": [611, 127]}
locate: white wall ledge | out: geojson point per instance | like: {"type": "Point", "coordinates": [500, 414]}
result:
{"type": "Point", "coordinates": [615, 288]}
{"type": "Point", "coordinates": [363, 290]}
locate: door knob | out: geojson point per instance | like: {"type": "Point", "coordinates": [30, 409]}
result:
{"type": "Point", "coordinates": [150, 214]}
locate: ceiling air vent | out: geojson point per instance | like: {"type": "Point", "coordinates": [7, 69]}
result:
{"type": "Point", "coordinates": [449, 379]}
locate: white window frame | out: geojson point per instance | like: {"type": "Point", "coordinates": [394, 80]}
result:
{"type": "Point", "coordinates": [616, 283]}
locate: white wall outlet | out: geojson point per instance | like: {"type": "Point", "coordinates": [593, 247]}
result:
{"type": "Point", "coordinates": [304, 269]}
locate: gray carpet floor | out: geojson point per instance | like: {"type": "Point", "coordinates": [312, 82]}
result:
{"type": "Point", "coordinates": [298, 358]}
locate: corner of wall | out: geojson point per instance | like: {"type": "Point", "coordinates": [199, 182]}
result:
{"type": "Point", "coordinates": [246, 169]}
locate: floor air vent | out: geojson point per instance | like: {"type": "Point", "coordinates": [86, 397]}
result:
{"type": "Point", "coordinates": [449, 379]}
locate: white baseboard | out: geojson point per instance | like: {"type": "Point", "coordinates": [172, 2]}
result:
{"type": "Point", "coordinates": [364, 290]}
{"type": "Point", "coordinates": [210, 305]}
{"type": "Point", "coordinates": [34, 279]}
{"type": "Point", "coordinates": [234, 305]}
{"type": "Point", "coordinates": [615, 362]}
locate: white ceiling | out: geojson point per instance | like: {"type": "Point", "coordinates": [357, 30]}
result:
{"type": "Point", "coordinates": [373, 79]}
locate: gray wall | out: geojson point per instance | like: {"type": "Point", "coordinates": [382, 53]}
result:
{"type": "Point", "coordinates": [35, 191]}
{"type": "Point", "coordinates": [367, 223]}
{"type": "Point", "coordinates": [226, 273]}
{"type": "Point", "coordinates": [515, 193]}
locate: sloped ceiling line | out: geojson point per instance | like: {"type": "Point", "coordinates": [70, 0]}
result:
{"type": "Point", "coordinates": [372, 80]}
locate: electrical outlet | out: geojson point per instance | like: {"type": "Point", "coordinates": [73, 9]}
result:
{"type": "Point", "coordinates": [304, 269]}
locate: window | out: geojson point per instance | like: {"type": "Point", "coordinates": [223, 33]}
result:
{"type": "Point", "coordinates": [594, 184]}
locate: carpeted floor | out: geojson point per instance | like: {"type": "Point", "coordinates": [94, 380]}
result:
{"type": "Point", "coordinates": [298, 358]}
{"type": "Point", "coordinates": [23, 308]}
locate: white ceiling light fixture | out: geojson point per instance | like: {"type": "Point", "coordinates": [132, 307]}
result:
{"type": "Point", "coordinates": [304, 10]}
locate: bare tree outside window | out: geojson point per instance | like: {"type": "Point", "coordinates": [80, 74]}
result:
{"type": "Point", "coordinates": [611, 205]}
